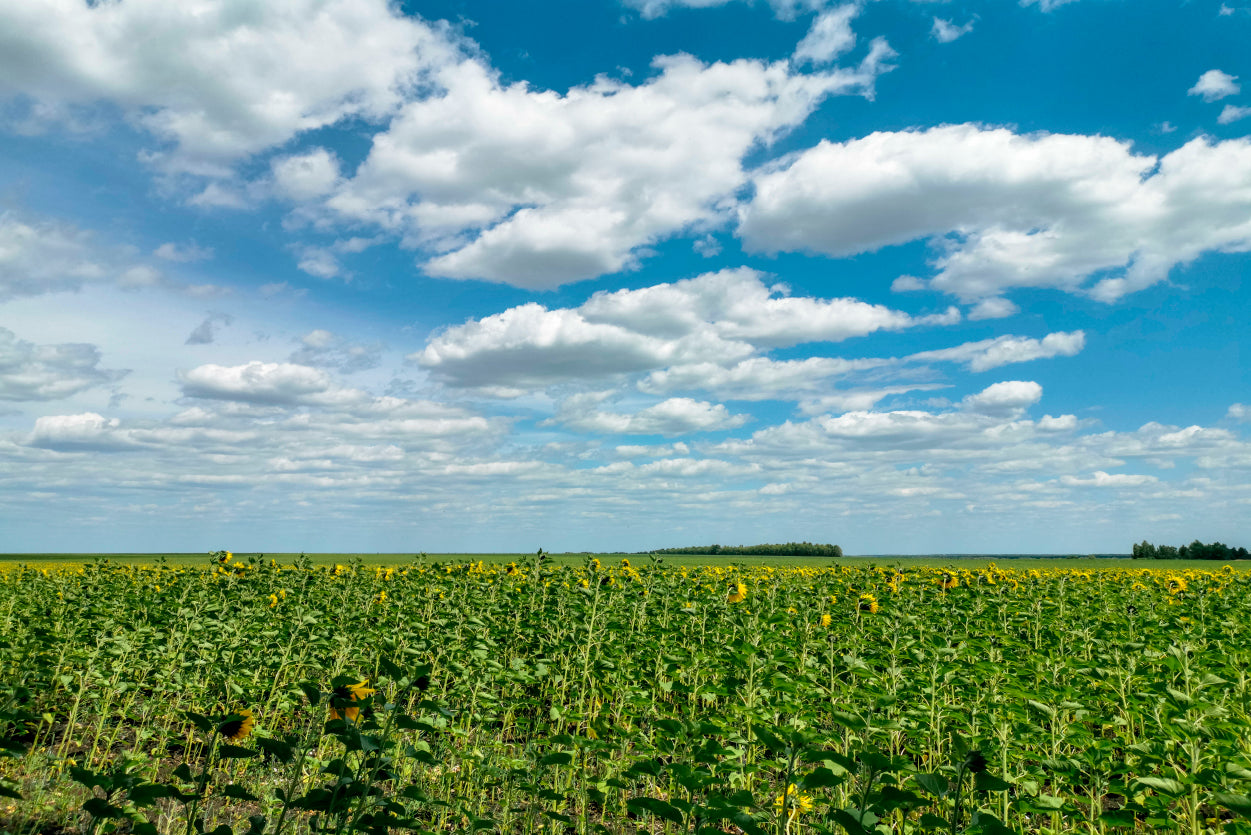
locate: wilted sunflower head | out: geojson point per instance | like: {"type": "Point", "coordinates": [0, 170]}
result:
{"type": "Point", "coordinates": [236, 729]}
{"type": "Point", "coordinates": [342, 696]}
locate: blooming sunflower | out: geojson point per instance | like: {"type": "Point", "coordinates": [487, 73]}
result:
{"type": "Point", "coordinates": [1176, 585]}
{"type": "Point", "coordinates": [798, 802]}
{"type": "Point", "coordinates": [867, 603]}
{"type": "Point", "coordinates": [948, 581]}
{"type": "Point", "coordinates": [738, 593]}
{"type": "Point", "coordinates": [237, 729]}
{"type": "Point", "coordinates": [349, 693]}
{"type": "Point", "coordinates": [826, 620]}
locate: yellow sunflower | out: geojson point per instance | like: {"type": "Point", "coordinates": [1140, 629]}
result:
{"type": "Point", "coordinates": [738, 593]}
{"type": "Point", "coordinates": [948, 581]}
{"type": "Point", "coordinates": [798, 802]}
{"type": "Point", "coordinates": [352, 693]}
{"type": "Point", "coordinates": [237, 729]}
{"type": "Point", "coordinates": [867, 603]}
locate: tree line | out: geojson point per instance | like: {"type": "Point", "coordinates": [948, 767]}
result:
{"type": "Point", "coordinates": [1194, 551]}
{"type": "Point", "coordinates": [786, 549]}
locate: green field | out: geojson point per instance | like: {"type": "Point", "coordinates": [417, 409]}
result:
{"type": "Point", "coordinates": [383, 693]}
{"type": "Point", "coordinates": [1075, 562]}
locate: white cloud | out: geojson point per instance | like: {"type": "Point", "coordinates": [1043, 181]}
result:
{"type": "Point", "coordinates": [1004, 350]}
{"type": "Point", "coordinates": [720, 318]}
{"type": "Point", "coordinates": [829, 36]}
{"type": "Point", "coordinates": [41, 256]}
{"type": "Point", "coordinates": [87, 432]}
{"type": "Point", "coordinates": [305, 176]}
{"type": "Point", "coordinates": [320, 263]}
{"type": "Point", "coordinates": [785, 9]}
{"type": "Point", "coordinates": [31, 372]}
{"type": "Point", "coordinates": [1101, 479]}
{"type": "Point", "coordinates": [265, 383]}
{"type": "Point", "coordinates": [1214, 85]}
{"type": "Point", "coordinates": [1008, 210]}
{"type": "Point", "coordinates": [1006, 398]}
{"type": "Point", "coordinates": [1047, 5]}
{"type": "Point", "coordinates": [219, 80]}
{"type": "Point", "coordinates": [1239, 411]}
{"type": "Point", "coordinates": [675, 416]}
{"type": "Point", "coordinates": [994, 307]}
{"type": "Point", "coordinates": [944, 31]}
{"type": "Point", "coordinates": [1233, 113]}
{"type": "Point", "coordinates": [536, 188]}
{"type": "Point", "coordinates": [757, 378]}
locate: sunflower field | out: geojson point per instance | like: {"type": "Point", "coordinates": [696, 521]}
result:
{"type": "Point", "coordinates": [258, 698]}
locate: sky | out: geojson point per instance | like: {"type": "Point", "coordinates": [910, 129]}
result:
{"type": "Point", "coordinates": [908, 276]}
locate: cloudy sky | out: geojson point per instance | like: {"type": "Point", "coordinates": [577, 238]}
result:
{"type": "Point", "coordinates": [466, 275]}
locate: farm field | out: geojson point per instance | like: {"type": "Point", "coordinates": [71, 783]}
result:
{"type": "Point", "coordinates": [585, 695]}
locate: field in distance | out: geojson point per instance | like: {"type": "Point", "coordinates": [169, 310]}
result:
{"type": "Point", "coordinates": [965, 561]}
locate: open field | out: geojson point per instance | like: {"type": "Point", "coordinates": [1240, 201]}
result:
{"type": "Point", "coordinates": [965, 561]}
{"type": "Point", "coordinates": [623, 696]}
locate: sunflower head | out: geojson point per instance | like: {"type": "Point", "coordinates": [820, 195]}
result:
{"type": "Point", "coordinates": [793, 798]}
{"type": "Point", "coordinates": [867, 603]}
{"type": "Point", "coordinates": [737, 593]}
{"type": "Point", "coordinates": [342, 697]}
{"type": "Point", "coordinates": [826, 620]}
{"type": "Point", "coordinates": [1176, 585]}
{"type": "Point", "coordinates": [948, 581]}
{"type": "Point", "coordinates": [237, 728]}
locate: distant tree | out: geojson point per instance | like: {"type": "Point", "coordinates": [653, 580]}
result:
{"type": "Point", "coordinates": [1194, 551]}
{"type": "Point", "coordinates": [788, 549]}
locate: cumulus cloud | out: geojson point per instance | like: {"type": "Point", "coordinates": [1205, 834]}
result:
{"type": "Point", "coordinates": [305, 176]}
{"type": "Point", "coordinates": [262, 383]}
{"type": "Point", "coordinates": [1006, 398]}
{"type": "Point", "coordinates": [31, 372]}
{"type": "Point", "coordinates": [1101, 479]}
{"type": "Point", "coordinates": [829, 36]}
{"type": "Point", "coordinates": [720, 318]}
{"type": "Point", "coordinates": [1004, 350]}
{"type": "Point", "coordinates": [1233, 113]}
{"type": "Point", "coordinates": [1007, 210]}
{"type": "Point", "coordinates": [944, 31]}
{"type": "Point", "coordinates": [675, 416]}
{"type": "Point", "coordinates": [1214, 85]}
{"type": "Point", "coordinates": [216, 80]}
{"type": "Point", "coordinates": [537, 188]}
{"type": "Point", "coordinates": [1239, 411]}
{"type": "Point", "coordinates": [41, 256]}
{"type": "Point", "coordinates": [87, 432]}
{"type": "Point", "coordinates": [784, 9]}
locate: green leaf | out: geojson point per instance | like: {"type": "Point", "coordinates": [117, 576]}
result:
{"type": "Point", "coordinates": [146, 794]}
{"type": "Point", "coordinates": [277, 749]}
{"type": "Point", "coordinates": [98, 807]}
{"type": "Point", "coordinates": [238, 792]}
{"type": "Point", "coordinates": [768, 738]}
{"type": "Point", "coordinates": [311, 692]}
{"type": "Point", "coordinates": [1164, 785]}
{"type": "Point", "coordinates": [1238, 803]}
{"type": "Point", "coordinates": [558, 758]}
{"type": "Point", "coordinates": [657, 807]}
{"type": "Point", "coordinates": [8, 791]}
{"type": "Point", "coordinates": [1118, 818]}
{"type": "Point", "coordinates": [935, 784]}
{"type": "Point", "coordinates": [820, 778]}
{"type": "Point", "coordinates": [984, 781]}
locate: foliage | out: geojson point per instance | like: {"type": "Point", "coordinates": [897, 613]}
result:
{"type": "Point", "coordinates": [532, 697]}
{"type": "Point", "coordinates": [1194, 551]}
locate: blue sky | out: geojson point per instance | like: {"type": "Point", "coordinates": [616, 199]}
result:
{"type": "Point", "coordinates": [344, 275]}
